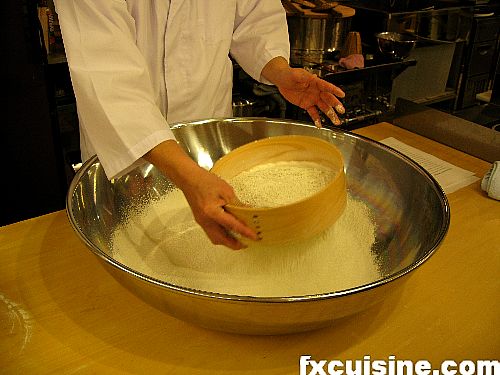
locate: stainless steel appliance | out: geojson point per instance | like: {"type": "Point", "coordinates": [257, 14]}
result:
{"type": "Point", "coordinates": [441, 34]}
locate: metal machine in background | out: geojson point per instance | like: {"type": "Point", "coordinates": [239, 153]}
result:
{"type": "Point", "coordinates": [457, 42]}
{"type": "Point", "coordinates": [318, 30]}
{"type": "Point", "coordinates": [441, 35]}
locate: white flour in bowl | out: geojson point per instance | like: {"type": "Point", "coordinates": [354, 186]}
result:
{"type": "Point", "coordinates": [165, 243]}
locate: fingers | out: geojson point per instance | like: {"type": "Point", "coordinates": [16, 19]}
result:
{"type": "Point", "coordinates": [222, 228]}
{"type": "Point", "coordinates": [326, 86]}
{"type": "Point", "coordinates": [331, 105]}
{"type": "Point", "coordinates": [313, 113]}
{"type": "Point", "coordinates": [332, 101]}
{"type": "Point", "coordinates": [328, 101]}
{"type": "Point", "coordinates": [232, 225]}
{"type": "Point", "coordinates": [309, 79]}
{"type": "Point", "coordinates": [220, 236]}
{"type": "Point", "coordinates": [329, 112]}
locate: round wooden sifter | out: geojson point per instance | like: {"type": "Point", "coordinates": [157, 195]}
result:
{"type": "Point", "coordinates": [298, 220]}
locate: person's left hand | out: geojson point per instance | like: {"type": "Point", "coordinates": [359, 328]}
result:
{"type": "Point", "coordinates": [306, 90]}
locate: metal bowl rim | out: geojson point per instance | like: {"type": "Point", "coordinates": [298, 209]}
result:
{"type": "Point", "coordinates": [387, 34]}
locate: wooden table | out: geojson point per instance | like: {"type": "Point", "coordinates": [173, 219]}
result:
{"type": "Point", "coordinates": [61, 312]}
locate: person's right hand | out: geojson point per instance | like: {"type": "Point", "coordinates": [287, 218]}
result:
{"type": "Point", "coordinates": [206, 193]}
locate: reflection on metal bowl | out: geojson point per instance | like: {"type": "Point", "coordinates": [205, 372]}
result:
{"type": "Point", "coordinates": [395, 45]}
{"type": "Point", "coordinates": [410, 210]}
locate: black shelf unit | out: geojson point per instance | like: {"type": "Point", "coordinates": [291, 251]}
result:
{"type": "Point", "coordinates": [480, 59]}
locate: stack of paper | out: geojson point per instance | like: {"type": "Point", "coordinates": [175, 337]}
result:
{"type": "Point", "coordinates": [450, 177]}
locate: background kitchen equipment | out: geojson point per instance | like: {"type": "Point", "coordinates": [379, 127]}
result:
{"type": "Point", "coordinates": [401, 5]}
{"type": "Point", "coordinates": [244, 107]}
{"type": "Point", "coordinates": [352, 45]}
{"type": "Point", "coordinates": [410, 210]}
{"type": "Point", "coordinates": [480, 56]}
{"type": "Point", "coordinates": [316, 30]}
{"type": "Point", "coordinates": [442, 35]}
{"type": "Point", "coordinates": [298, 220]}
{"type": "Point", "coordinates": [395, 45]}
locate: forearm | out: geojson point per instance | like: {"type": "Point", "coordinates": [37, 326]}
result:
{"type": "Point", "coordinates": [275, 70]}
{"type": "Point", "coordinates": [173, 162]}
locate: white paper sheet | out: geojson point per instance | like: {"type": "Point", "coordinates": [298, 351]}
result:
{"type": "Point", "coordinates": [450, 177]}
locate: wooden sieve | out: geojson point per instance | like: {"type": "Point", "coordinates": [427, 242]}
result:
{"type": "Point", "coordinates": [298, 220]}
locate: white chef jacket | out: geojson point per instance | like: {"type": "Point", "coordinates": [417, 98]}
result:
{"type": "Point", "coordinates": [137, 65]}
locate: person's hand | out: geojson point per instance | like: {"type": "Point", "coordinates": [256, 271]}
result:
{"type": "Point", "coordinates": [206, 193]}
{"type": "Point", "coordinates": [305, 90]}
{"type": "Point", "coordinates": [311, 93]}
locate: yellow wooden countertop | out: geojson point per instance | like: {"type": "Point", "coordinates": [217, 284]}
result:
{"type": "Point", "coordinates": [61, 312]}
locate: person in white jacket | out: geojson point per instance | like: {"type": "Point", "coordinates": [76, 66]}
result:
{"type": "Point", "coordinates": [138, 65]}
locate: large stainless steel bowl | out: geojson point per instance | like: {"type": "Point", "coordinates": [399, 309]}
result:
{"type": "Point", "coordinates": [411, 214]}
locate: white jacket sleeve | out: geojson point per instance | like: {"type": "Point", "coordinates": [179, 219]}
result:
{"type": "Point", "coordinates": [260, 34]}
{"type": "Point", "coordinates": [115, 99]}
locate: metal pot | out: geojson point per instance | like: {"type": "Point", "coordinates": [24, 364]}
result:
{"type": "Point", "coordinates": [314, 35]}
